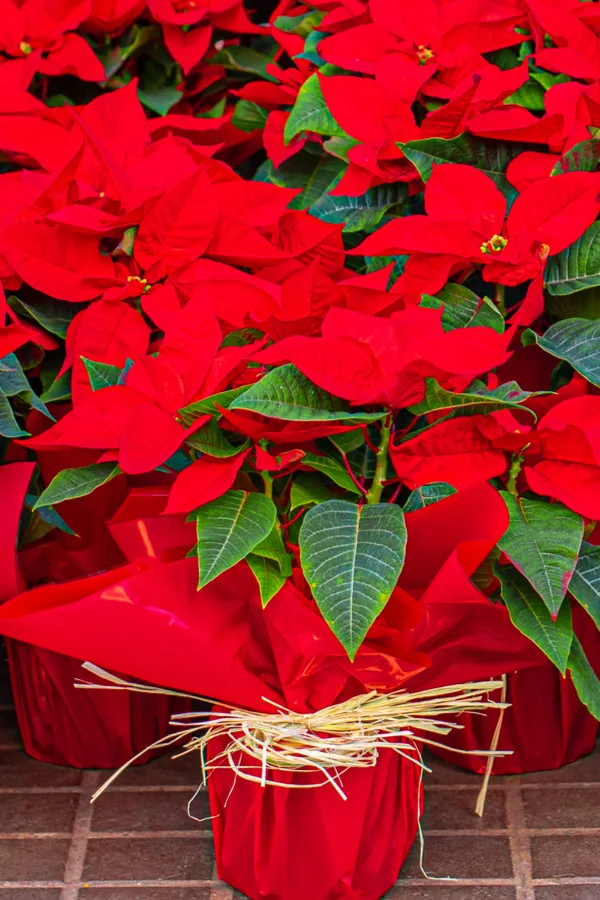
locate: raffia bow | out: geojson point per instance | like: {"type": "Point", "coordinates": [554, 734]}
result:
{"type": "Point", "coordinates": [330, 741]}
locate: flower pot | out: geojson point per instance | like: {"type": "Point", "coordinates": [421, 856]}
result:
{"type": "Point", "coordinates": [286, 843]}
{"type": "Point", "coordinates": [546, 726]}
{"type": "Point", "coordinates": [88, 729]}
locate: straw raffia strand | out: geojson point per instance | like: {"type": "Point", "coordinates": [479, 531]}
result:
{"type": "Point", "coordinates": [330, 741]}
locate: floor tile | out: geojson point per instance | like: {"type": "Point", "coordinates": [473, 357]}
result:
{"type": "Point", "coordinates": [586, 770]}
{"type": "Point", "coordinates": [33, 860]}
{"type": "Point", "coordinates": [178, 859]}
{"type": "Point", "coordinates": [567, 807]}
{"type": "Point", "coordinates": [445, 773]}
{"type": "Point", "coordinates": [154, 893]}
{"type": "Point", "coordinates": [19, 770]}
{"type": "Point", "coordinates": [556, 857]}
{"type": "Point", "coordinates": [446, 892]}
{"type": "Point", "coordinates": [568, 892]}
{"type": "Point", "coordinates": [28, 813]}
{"type": "Point", "coordinates": [29, 894]}
{"type": "Point", "coordinates": [451, 810]}
{"type": "Point", "coordinates": [185, 770]}
{"type": "Point", "coordinates": [150, 811]}
{"type": "Point", "coordinates": [462, 857]}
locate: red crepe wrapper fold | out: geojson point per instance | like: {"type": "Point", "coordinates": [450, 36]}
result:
{"type": "Point", "coordinates": [85, 729]}
{"type": "Point", "coordinates": [546, 726]}
{"type": "Point", "coordinates": [278, 844]}
{"type": "Point", "coordinates": [148, 620]}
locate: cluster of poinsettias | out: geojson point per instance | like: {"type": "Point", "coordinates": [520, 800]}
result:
{"type": "Point", "coordinates": [397, 305]}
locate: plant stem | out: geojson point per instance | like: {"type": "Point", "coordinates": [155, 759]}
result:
{"type": "Point", "coordinates": [268, 481]}
{"type": "Point", "coordinates": [376, 490]}
{"type": "Point", "coordinates": [513, 475]}
{"type": "Point", "coordinates": [499, 298]}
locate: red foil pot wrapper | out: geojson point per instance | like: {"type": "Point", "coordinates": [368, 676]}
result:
{"type": "Point", "coordinates": [546, 727]}
{"type": "Point", "coordinates": [85, 729]}
{"type": "Point", "coordinates": [280, 843]}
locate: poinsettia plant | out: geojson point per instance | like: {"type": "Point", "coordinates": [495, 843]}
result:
{"type": "Point", "coordinates": [400, 304]}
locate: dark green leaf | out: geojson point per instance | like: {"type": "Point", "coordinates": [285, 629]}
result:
{"type": "Point", "coordinates": [332, 468]}
{"type": "Point", "coordinates": [268, 575]}
{"type": "Point", "coordinates": [352, 557]}
{"type": "Point", "coordinates": [249, 116]}
{"type": "Point", "coordinates": [307, 490]}
{"type": "Point", "coordinates": [71, 483]}
{"type": "Point", "coordinates": [490, 157]}
{"type": "Point", "coordinates": [59, 391]}
{"type": "Point", "coordinates": [574, 340]}
{"type": "Point", "coordinates": [530, 615]}
{"type": "Point", "coordinates": [228, 529]}
{"type": "Point", "coordinates": [584, 678]}
{"type": "Point", "coordinates": [301, 25]}
{"type": "Point", "coordinates": [577, 267]}
{"type": "Point", "coordinates": [530, 96]}
{"type": "Point", "coordinates": [583, 157]}
{"type": "Point", "coordinates": [428, 494]}
{"type": "Point", "coordinates": [210, 440]}
{"type": "Point", "coordinates": [160, 101]}
{"type": "Point", "coordinates": [273, 548]}
{"type": "Point", "coordinates": [585, 583]}
{"type": "Point", "coordinates": [311, 113]}
{"type": "Point", "coordinates": [285, 393]}
{"type": "Point", "coordinates": [54, 316]}
{"type": "Point", "coordinates": [543, 542]}
{"type": "Point", "coordinates": [9, 427]}
{"type": "Point", "coordinates": [464, 309]}
{"type": "Point", "coordinates": [208, 406]}
{"type": "Point", "coordinates": [437, 398]}
{"type": "Point", "coordinates": [101, 375]}
{"type": "Point", "coordinates": [347, 441]}
{"type": "Point", "coordinates": [14, 383]}
{"type": "Point", "coordinates": [244, 59]}
{"type": "Point", "coordinates": [360, 213]}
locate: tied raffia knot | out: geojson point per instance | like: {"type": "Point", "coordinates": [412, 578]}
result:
{"type": "Point", "coordinates": [329, 742]}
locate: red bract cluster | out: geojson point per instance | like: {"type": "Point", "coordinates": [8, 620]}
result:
{"type": "Point", "coordinates": [305, 276]}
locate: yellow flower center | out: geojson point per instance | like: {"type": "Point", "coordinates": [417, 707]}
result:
{"type": "Point", "coordinates": [137, 278]}
{"type": "Point", "coordinates": [24, 47]}
{"type": "Point", "coordinates": [544, 252]}
{"type": "Point", "coordinates": [424, 54]}
{"type": "Point", "coordinates": [496, 244]}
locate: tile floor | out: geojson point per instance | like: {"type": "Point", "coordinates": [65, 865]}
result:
{"type": "Point", "coordinates": [539, 840]}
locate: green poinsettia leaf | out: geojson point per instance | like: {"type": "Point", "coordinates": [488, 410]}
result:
{"type": "Point", "coordinates": [249, 116]}
{"type": "Point", "coordinates": [72, 483]}
{"type": "Point", "coordinates": [210, 440]}
{"type": "Point", "coordinates": [582, 157]}
{"type": "Point", "coordinates": [332, 468]}
{"type": "Point", "coordinates": [530, 96]}
{"type": "Point", "coordinates": [161, 100]}
{"type": "Point", "coordinates": [302, 25]}
{"type": "Point", "coordinates": [239, 58]}
{"type": "Point", "coordinates": [268, 575]}
{"type": "Point", "coordinates": [428, 494]}
{"type": "Point", "coordinates": [584, 678]}
{"type": "Point", "coordinates": [464, 309]}
{"type": "Point", "coordinates": [311, 113]}
{"type": "Point", "coordinates": [208, 406]}
{"type": "Point", "coordinates": [543, 542]}
{"type": "Point", "coordinates": [285, 393]}
{"type": "Point", "coordinates": [228, 529]}
{"type": "Point", "coordinates": [490, 157]}
{"type": "Point", "coordinates": [585, 583]}
{"type": "Point", "coordinates": [9, 427]}
{"type": "Point", "coordinates": [59, 391]}
{"type": "Point", "coordinates": [273, 548]}
{"type": "Point", "coordinates": [352, 557]}
{"type": "Point", "coordinates": [101, 375]}
{"type": "Point", "coordinates": [438, 398]}
{"type": "Point", "coordinates": [574, 340]}
{"type": "Point", "coordinates": [14, 383]}
{"type": "Point", "coordinates": [529, 614]}
{"type": "Point", "coordinates": [360, 213]}
{"type": "Point", "coordinates": [577, 267]}
{"type": "Point", "coordinates": [53, 315]}
{"type": "Point", "coordinates": [307, 490]}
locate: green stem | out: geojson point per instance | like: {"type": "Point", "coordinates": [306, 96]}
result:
{"type": "Point", "coordinates": [499, 298]}
{"type": "Point", "coordinates": [376, 490]}
{"type": "Point", "coordinates": [268, 481]}
{"type": "Point", "coordinates": [513, 475]}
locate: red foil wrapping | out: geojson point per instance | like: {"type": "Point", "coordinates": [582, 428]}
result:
{"type": "Point", "coordinates": [86, 729]}
{"type": "Point", "coordinates": [278, 844]}
{"type": "Point", "coordinates": [546, 727]}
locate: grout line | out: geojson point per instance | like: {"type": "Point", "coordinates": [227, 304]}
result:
{"type": "Point", "coordinates": [149, 835]}
{"type": "Point", "coordinates": [79, 841]}
{"type": "Point", "coordinates": [520, 847]}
